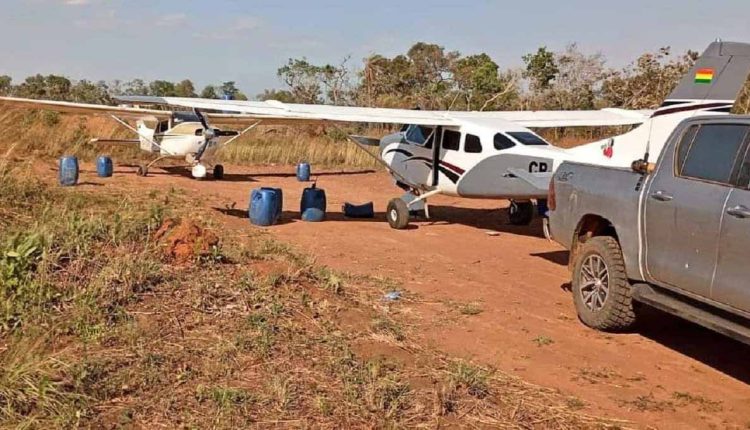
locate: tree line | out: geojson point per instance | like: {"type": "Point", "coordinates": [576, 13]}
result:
{"type": "Point", "coordinates": [427, 76]}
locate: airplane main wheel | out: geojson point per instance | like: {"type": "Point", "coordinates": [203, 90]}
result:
{"type": "Point", "coordinates": [397, 214]}
{"type": "Point", "coordinates": [218, 172]}
{"type": "Point", "coordinates": [521, 213]}
{"type": "Point", "coordinates": [142, 170]}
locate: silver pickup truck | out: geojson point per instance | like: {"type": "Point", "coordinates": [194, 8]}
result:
{"type": "Point", "coordinates": [674, 235]}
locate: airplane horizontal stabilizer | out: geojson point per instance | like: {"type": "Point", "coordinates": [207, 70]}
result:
{"type": "Point", "coordinates": [364, 140]}
{"type": "Point", "coordinates": [538, 180]}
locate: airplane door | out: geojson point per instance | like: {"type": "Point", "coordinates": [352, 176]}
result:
{"type": "Point", "coordinates": [146, 136]}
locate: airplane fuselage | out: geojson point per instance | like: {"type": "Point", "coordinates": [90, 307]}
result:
{"type": "Point", "coordinates": [473, 161]}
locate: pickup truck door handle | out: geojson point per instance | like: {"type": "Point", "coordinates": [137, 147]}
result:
{"type": "Point", "coordinates": [739, 212]}
{"type": "Point", "coordinates": [661, 196]}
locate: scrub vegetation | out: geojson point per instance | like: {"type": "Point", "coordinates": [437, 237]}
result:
{"type": "Point", "coordinates": [102, 326]}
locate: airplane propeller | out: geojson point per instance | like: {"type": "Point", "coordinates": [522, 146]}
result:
{"type": "Point", "coordinates": [209, 133]}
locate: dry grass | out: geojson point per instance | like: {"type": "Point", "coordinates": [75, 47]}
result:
{"type": "Point", "coordinates": [115, 335]}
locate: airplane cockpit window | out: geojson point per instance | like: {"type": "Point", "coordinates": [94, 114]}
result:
{"type": "Point", "coordinates": [451, 140]}
{"type": "Point", "coordinates": [420, 135]}
{"type": "Point", "coordinates": [180, 117]}
{"type": "Point", "coordinates": [503, 142]}
{"type": "Point", "coordinates": [473, 144]}
{"type": "Point", "coordinates": [527, 138]}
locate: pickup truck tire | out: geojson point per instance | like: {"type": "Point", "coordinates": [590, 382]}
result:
{"type": "Point", "coordinates": [601, 291]}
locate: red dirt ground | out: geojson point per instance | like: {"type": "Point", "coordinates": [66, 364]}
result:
{"type": "Point", "coordinates": [668, 374]}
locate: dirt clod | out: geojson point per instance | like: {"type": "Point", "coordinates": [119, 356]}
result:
{"type": "Point", "coordinates": [183, 240]}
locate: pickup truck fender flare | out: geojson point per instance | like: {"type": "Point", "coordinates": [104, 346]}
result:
{"type": "Point", "coordinates": [590, 225]}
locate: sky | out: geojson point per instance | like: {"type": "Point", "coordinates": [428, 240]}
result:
{"type": "Point", "coordinates": [213, 41]}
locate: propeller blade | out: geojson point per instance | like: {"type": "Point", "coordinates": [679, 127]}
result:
{"type": "Point", "coordinates": [200, 116]}
{"type": "Point", "coordinates": [227, 133]}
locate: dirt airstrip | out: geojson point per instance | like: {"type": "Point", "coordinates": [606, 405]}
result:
{"type": "Point", "coordinates": [501, 299]}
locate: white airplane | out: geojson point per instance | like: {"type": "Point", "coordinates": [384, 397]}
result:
{"type": "Point", "coordinates": [166, 134]}
{"type": "Point", "coordinates": [496, 154]}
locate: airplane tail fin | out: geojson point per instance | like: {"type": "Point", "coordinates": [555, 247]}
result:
{"type": "Point", "coordinates": [714, 83]}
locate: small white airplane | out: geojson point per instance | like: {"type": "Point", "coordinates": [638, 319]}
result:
{"type": "Point", "coordinates": [166, 134]}
{"type": "Point", "coordinates": [496, 154]}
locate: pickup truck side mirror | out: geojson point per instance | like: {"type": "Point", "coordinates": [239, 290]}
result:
{"type": "Point", "coordinates": [643, 167]}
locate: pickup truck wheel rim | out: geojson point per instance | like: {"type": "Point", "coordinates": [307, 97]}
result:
{"type": "Point", "coordinates": [594, 282]}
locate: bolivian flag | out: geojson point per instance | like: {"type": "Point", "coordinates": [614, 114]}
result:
{"type": "Point", "coordinates": [704, 76]}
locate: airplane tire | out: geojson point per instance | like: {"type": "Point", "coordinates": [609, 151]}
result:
{"type": "Point", "coordinates": [218, 172]}
{"type": "Point", "coordinates": [142, 170]}
{"type": "Point", "coordinates": [397, 214]}
{"type": "Point", "coordinates": [521, 213]}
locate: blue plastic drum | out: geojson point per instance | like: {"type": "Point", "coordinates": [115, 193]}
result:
{"type": "Point", "coordinates": [68, 174]}
{"type": "Point", "coordinates": [313, 204]}
{"type": "Point", "coordinates": [264, 206]}
{"type": "Point", "coordinates": [279, 202]}
{"type": "Point", "coordinates": [303, 172]}
{"type": "Point", "coordinates": [104, 166]}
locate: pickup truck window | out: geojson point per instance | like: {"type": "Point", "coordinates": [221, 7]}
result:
{"type": "Point", "coordinates": [711, 153]}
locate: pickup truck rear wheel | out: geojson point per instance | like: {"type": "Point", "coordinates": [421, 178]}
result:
{"type": "Point", "coordinates": [601, 291]}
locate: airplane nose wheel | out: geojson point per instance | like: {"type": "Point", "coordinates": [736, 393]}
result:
{"type": "Point", "coordinates": [218, 172]}
{"type": "Point", "coordinates": [142, 170]}
{"type": "Point", "coordinates": [397, 214]}
{"type": "Point", "coordinates": [520, 213]}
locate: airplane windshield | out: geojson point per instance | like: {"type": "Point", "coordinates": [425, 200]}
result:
{"type": "Point", "coordinates": [419, 135]}
{"type": "Point", "coordinates": [527, 138]}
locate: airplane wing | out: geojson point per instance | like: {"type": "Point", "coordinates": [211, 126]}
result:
{"type": "Point", "coordinates": [83, 108]}
{"type": "Point", "coordinates": [275, 112]}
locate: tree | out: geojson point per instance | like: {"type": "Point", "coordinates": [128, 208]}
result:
{"type": "Point", "coordinates": [6, 85]}
{"type": "Point", "coordinates": [209, 92]}
{"type": "Point", "coordinates": [479, 84]}
{"type": "Point", "coordinates": [646, 83]}
{"type": "Point", "coordinates": [136, 87]}
{"type": "Point", "coordinates": [302, 79]}
{"type": "Point", "coordinates": [229, 90]}
{"type": "Point", "coordinates": [162, 88]}
{"type": "Point", "coordinates": [541, 68]}
{"type": "Point", "coordinates": [335, 79]}
{"type": "Point", "coordinates": [51, 87]}
{"type": "Point", "coordinates": [88, 92]}
{"type": "Point", "coordinates": [185, 88]}
{"type": "Point", "coordinates": [578, 82]}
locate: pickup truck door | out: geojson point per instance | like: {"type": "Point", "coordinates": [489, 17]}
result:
{"type": "Point", "coordinates": [732, 281]}
{"type": "Point", "coordinates": [685, 203]}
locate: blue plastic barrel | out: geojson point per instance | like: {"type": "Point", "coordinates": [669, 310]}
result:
{"type": "Point", "coordinates": [303, 172]}
{"type": "Point", "coordinates": [359, 211]}
{"type": "Point", "coordinates": [104, 166]}
{"type": "Point", "coordinates": [264, 206]}
{"type": "Point", "coordinates": [68, 175]}
{"type": "Point", "coordinates": [313, 204]}
{"type": "Point", "coordinates": [279, 200]}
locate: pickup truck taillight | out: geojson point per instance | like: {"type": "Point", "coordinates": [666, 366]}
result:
{"type": "Point", "coordinates": [551, 197]}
